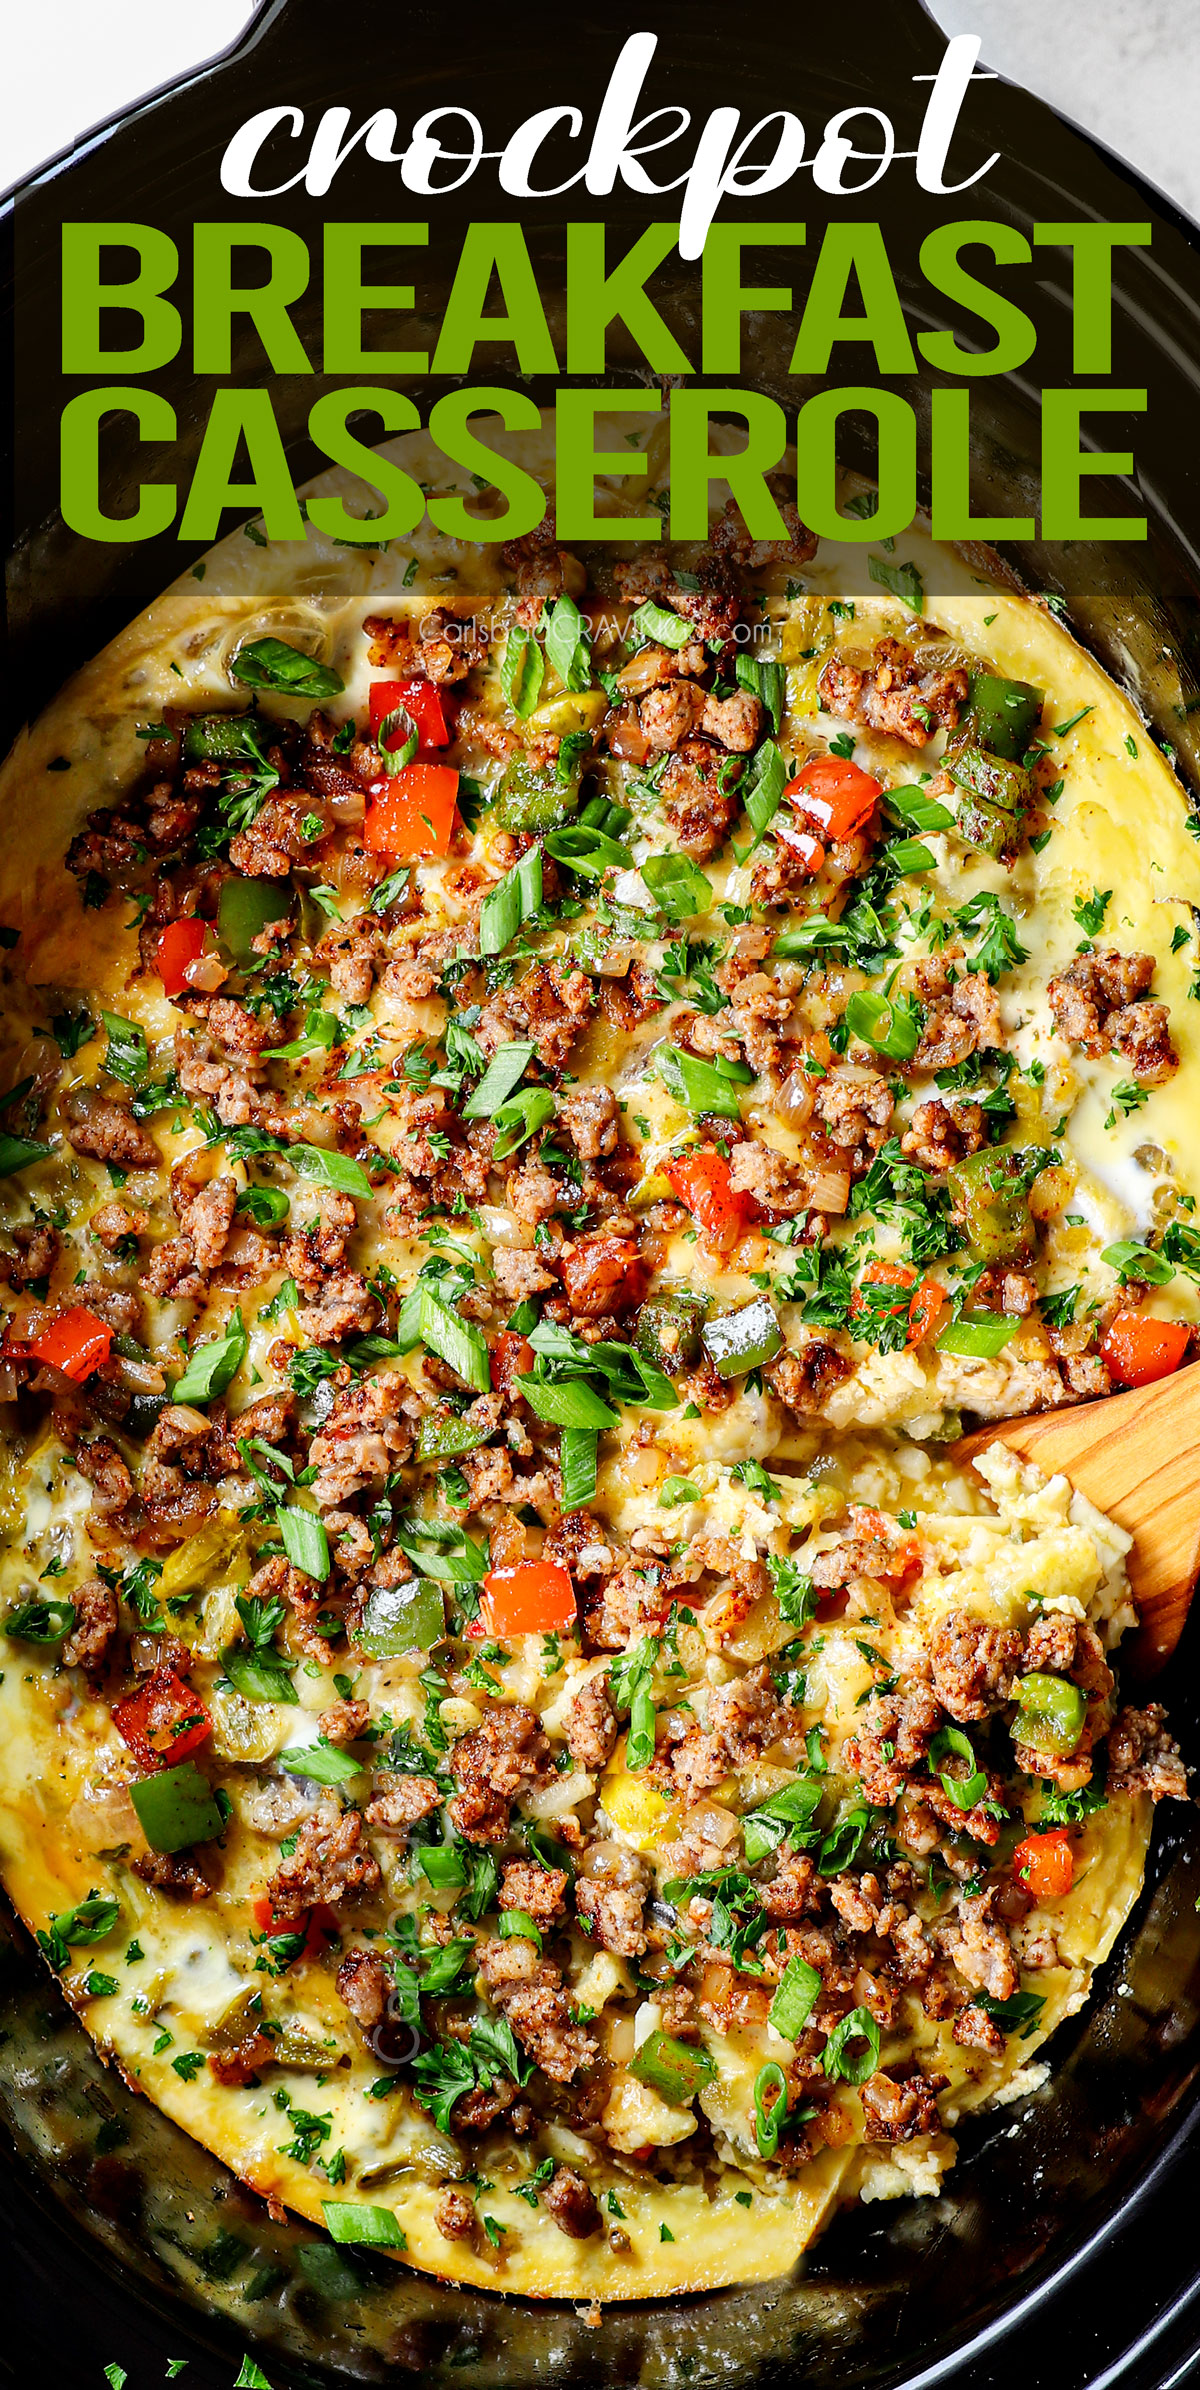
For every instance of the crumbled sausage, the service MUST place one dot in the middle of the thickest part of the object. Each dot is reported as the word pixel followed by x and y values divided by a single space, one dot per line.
pixel 974 1665
pixel 490 1766
pixel 896 694
pixel 108 1133
pixel 1143 1757
pixel 454 2214
pixel 528 1990
pixel 364 1986
pixel 610 1897
pixel 91 1638
pixel 1095 1003
pixel 539 1891
pixel 328 1865
pixel 940 1134
pixel 897 2108
pixel 700 797
pixel 401 1802
pixel 571 2204
pixel 592 1725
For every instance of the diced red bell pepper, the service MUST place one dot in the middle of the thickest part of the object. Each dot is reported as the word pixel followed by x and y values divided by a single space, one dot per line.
pixel 603 1274
pixel 533 1598
pixel 319 1926
pixel 413 812
pixel 1137 1350
pixel 420 698
pixel 1045 1864
pixel 898 1553
pixel 511 1356
pixel 702 1182
pixel 836 793
pixel 180 943
pixel 927 1299
pixel 164 1721
pixel 76 1342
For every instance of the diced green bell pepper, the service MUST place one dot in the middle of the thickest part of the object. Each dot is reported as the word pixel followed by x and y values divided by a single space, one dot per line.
pixel 177 1807
pixel 668 1332
pixel 400 1618
pixel 987 1190
pixel 1052 1713
pixel 1003 715
pixel 738 1341
pixel 992 777
pixel 531 800
pixel 443 1438
pixel 220 738
pixel 244 908
pixel 987 827
pixel 676 2070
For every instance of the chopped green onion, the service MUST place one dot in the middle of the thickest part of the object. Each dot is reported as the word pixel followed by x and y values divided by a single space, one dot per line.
pixel 304 1540
pixel 510 903
pixel 978 1336
pixel 916 810
pixel 639 1742
pixel 676 2070
pixel 678 885
pixel 271 664
pixel 771 2080
pixel 657 626
pixel 837 2057
pixel 567 644
pixel 793 1805
pixel 889 1026
pixel 321 1762
pixel 567 1403
pixel 268 1207
pixel 260 1676
pixel 126 1057
pixel 763 789
pixel 213 1366
pixel 587 852
pixel 702 1086
pixel 908 854
pixel 964 1791
pixel 393 759
pixel 766 681
pixel 518 1924
pixel 339 1171
pixel 522 671
pixel 357 2226
pixel 1138 1261
pixel 457 1342
pixel 177 1807
pixel 504 1072
pixel 795 1998
pixel 520 1118
pixel 577 1466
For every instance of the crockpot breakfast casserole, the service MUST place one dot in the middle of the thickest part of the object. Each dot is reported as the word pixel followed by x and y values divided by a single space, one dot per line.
pixel 536 1110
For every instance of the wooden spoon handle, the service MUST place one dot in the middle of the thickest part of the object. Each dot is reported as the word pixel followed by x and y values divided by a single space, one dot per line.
pixel 1137 1457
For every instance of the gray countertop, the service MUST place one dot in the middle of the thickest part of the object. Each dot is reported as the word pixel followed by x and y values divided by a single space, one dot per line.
pixel 1127 71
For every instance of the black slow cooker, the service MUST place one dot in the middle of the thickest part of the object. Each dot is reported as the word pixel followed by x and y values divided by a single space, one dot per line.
pixel 1062 2249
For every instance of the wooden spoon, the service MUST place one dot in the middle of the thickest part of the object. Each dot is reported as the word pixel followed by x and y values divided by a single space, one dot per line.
pixel 1137 1457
